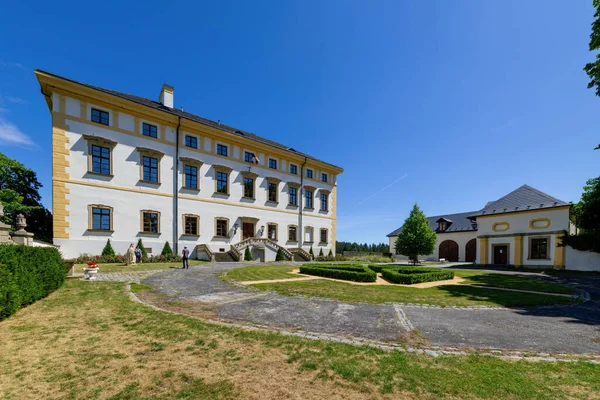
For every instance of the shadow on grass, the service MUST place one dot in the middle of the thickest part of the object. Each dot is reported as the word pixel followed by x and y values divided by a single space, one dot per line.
pixel 528 304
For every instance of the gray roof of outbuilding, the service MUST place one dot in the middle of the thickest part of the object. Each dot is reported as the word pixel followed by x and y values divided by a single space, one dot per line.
pixel 159 106
pixel 524 198
pixel 460 223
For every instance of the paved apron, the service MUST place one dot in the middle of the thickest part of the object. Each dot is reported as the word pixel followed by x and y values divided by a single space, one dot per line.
pixel 572 329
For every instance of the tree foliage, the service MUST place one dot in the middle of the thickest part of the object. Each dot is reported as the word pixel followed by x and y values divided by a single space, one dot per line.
pixel 586 217
pixel 19 193
pixel 416 237
pixel 166 251
pixel 280 256
pixel 593 68
pixel 248 255
pixel 142 248
pixel 340 247
pixel 108 250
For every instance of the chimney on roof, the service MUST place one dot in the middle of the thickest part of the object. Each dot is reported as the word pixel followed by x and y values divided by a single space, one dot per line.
pixel 167 94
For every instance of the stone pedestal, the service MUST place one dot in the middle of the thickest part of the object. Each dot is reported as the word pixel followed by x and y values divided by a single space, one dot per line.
pixel 4 228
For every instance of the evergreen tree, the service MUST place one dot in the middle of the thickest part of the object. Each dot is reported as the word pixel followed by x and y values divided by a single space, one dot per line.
pixel 108 251
pixel 321 252
pixel 280 256
pixel 416 237
pixel 312 254
pixel 248 255
pixel 330 253
pixel 167 251
pixel 141 246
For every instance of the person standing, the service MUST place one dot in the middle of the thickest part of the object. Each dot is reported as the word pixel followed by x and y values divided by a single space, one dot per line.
pixel 185 255
pixel 138 254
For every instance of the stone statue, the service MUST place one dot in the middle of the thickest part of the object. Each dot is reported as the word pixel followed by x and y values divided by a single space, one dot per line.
pixel 130 257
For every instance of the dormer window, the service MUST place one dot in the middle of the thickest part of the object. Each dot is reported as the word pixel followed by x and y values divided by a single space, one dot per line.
pixel 443 224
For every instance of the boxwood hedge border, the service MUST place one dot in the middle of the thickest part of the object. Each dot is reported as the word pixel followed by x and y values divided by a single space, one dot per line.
pixel 352 272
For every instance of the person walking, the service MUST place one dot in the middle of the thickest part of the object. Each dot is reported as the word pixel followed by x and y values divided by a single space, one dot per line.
pixel 185 255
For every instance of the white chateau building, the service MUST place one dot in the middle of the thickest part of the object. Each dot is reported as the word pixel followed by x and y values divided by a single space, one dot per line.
pixel 522 228
pixel 125 167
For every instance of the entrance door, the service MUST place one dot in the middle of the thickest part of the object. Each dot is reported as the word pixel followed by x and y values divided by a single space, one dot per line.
pixel 247 230
pixel 501 254
pixel 448 250
pixel 471 250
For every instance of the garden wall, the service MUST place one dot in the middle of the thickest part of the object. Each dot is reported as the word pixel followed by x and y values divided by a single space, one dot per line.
pixel 578 260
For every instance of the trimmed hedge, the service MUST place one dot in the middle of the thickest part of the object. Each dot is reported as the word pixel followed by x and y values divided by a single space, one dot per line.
pixel 28 274
pixel 379 268
pixel 355 273
pixel 412 275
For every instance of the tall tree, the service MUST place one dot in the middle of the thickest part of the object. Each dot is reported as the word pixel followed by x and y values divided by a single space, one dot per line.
pixel 593 68
pixel 416 238
pixel 19 193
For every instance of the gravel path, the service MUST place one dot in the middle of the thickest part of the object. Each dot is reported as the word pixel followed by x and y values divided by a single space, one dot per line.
pixel 571 329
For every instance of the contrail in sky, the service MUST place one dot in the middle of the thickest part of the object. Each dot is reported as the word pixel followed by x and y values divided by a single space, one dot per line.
pixel 381 190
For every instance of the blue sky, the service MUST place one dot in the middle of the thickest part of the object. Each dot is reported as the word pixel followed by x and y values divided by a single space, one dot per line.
pixel 448 104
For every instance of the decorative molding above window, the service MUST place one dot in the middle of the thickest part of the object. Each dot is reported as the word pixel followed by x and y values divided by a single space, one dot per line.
pixel 248 174
pixel 191 161
pixel 222 168
pixel 294 185
pixel 100 141
pixel 150 152
pixel 272 179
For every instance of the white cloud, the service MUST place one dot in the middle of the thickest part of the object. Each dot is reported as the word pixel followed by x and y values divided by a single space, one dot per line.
pixel 17 100
pixel 11 135
pixel 12 65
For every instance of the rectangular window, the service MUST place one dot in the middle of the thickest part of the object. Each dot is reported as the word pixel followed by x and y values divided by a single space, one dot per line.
pixel 324 177
pixel 191 141
pixel 323 235
pixel 272 231
pixel 100 160
pixel 272 163
pixel 249 188
pixel 222 182
pixel 273 192
pixel 539 249
pixel 150 223
pixel 191 225
pixel 323 202
pixel 191 177
pixel 222 150
pixel 150 169
pixel 293 196
pixel 149 130
pixel 309 173
pixel 309 198
pixel 101 219
pixel 249 157
pixel 292 234
pixel 293 169
pixel 222 228
pixel 100 116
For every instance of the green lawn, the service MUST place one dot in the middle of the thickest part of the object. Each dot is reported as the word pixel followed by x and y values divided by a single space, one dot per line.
pixel 512 282
pixel 89 340
pixel 259 273
pixel 447 295
pixel 115 267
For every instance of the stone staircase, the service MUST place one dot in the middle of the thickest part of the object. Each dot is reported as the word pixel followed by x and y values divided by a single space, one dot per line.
pixel 299 254
pixel 260 242
pixel 224 257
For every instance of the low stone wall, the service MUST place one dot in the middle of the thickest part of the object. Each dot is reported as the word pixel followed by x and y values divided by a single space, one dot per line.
pixel 577 260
